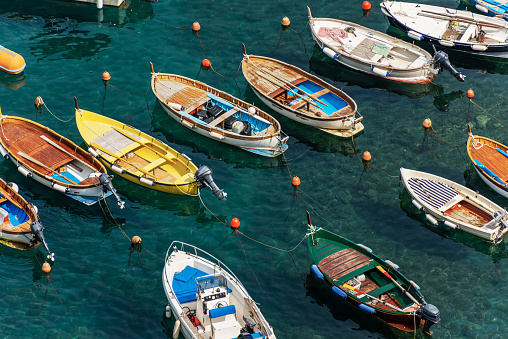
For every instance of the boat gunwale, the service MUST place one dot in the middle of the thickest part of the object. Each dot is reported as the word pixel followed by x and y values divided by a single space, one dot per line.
pixel 341 94
pixel 61 139
pixel 222 95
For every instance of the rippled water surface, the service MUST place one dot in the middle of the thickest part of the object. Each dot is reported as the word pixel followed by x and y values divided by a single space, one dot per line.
pixel 98 290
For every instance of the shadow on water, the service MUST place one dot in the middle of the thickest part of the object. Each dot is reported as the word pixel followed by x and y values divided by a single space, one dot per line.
pixel 323 66
pixel 342 311
pixel 178 134
pixel 317 140
pixel 497 252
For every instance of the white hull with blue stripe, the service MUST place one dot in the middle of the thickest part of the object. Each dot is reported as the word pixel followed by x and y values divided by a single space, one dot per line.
pixel 207 299
pixel 456 206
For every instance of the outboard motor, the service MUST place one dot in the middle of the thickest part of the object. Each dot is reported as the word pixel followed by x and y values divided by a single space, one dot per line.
pixel 431 315
pixel 37 229
pixel 441 58
pixel 204 177
pixel 105 181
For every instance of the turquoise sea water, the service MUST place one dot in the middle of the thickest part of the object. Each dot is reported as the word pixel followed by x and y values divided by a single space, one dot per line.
pixel 98 290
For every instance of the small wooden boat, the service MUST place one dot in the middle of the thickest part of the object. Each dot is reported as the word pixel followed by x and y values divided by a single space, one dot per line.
pixel 363 279
pixel 492 8
pixel 54 161
pixel 207 299
pixel 140 158
pixel 372 52
pixel 11 62
pixel 218 115
pixel 490 160
pixel 300 96
pixel 20 226
pixel 458 30
pixel 458 207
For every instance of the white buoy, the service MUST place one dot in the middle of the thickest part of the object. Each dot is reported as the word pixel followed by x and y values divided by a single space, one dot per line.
pixel 24 171
pixel 60 188
pixel 415 35
pixel 93 152
pixel 446 43
pixel 330 53
pixel 4 152
pixel 176 330
pixel 449 224
pixel 431 219
pixel 168 311
pixel 380 72
pixel 147 182
pixel 14 186
pixel 479 47
pixel 117 169
pixel 417 204
pixel 100 4
pixel 175 106
pixel 252 110
pixel 482 8
pixel 36 210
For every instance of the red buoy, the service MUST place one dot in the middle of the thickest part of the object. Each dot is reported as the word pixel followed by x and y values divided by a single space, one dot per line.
pixel 366 6
pixel 235 223
pixel 105 78
pixel 196 27
pixel 206 63
pixel 46 268
pixel 470 94
pixel 295 182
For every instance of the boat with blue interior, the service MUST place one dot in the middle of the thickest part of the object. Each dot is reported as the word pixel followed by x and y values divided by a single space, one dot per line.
pixel 206 298
pixel 218 115
pixel 301 96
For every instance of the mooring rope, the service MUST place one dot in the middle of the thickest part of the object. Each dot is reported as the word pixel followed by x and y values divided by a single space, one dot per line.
pixel 73 116
pixel 118 89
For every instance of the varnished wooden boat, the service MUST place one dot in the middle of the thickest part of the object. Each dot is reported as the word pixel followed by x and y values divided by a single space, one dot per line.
pixel 218 115
pixel 207 299
pixel 455 29
pixel 369 282
pixel 301 96
pixel 490 160
pixel 492 8
pixel 53 160
pixel 20 226
pixel 140 158
pixel 456 206
pixel 372 52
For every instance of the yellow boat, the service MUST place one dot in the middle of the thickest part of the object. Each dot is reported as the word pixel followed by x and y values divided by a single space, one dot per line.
pixel 140 158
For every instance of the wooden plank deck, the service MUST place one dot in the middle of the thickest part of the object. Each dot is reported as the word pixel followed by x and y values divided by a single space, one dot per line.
pixel 491 158
pixel 342 262
pixel 263 85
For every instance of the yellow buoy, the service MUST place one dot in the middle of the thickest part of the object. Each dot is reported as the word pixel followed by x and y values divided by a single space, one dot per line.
pixel 11 62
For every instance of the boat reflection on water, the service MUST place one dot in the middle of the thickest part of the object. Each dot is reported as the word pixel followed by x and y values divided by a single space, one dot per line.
pixel 12 81
pixel 214 150
pixel 475 243
pixel 317 140
pixel 31 259
pixel 322 65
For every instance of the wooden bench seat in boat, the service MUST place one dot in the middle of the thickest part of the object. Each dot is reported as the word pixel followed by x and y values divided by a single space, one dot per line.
pixel 468 33
pixel 281 90
pixel 377 292
pixel 154 164
pixel 342 262
pixel 223 117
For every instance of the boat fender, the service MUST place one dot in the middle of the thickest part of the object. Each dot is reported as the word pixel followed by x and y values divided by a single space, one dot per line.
pixel 25 171
pixel 482 9
pixel 176 330
pixel 365 247
pixel 317 272
pixel 446 43
pixel 186 156
pixel 168 311
pixel 367 309
pixel 93 152
pixel 36 210
pixel 431 219
pixel 414 35
pixel 117 169
pixel 392 264
pixel 451 225
pixel 414 284
pixel 60 188
pixel 417 204
pixel 14 186
pixel 330 53
pixel 340 293
pixel 175 106
pixel 147 182
pixel 4 152
pixel 480 48
pixel 380 72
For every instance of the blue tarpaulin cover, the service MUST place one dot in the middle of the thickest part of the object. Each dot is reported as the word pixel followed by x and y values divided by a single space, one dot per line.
pixel 184 284
pixel 219 312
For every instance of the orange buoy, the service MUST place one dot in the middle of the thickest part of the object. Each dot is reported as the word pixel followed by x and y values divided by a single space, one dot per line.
pixel 38 102
pixel 366 156
pixel 206 63
pixel 470 94
pixel 295 182
pixel 106 77
pixel 135 240
pixel 366 6
pixel 11 62
pixel 235 223
pixel 46 268
pixel 285 21
pixel 196 27
pixel 427 124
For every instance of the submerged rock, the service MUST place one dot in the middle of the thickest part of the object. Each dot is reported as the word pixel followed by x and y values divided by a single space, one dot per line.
pixel 482 121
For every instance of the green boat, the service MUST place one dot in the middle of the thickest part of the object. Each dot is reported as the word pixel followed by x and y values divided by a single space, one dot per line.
pixel 363 279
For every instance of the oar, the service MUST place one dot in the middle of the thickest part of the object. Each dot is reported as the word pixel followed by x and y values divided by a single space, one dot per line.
pixel 54 144
pixel 278 83
pixel 37 162
pixel 102 149
pixel 373 298
pixel 445 17
pixel 290 84
pixel 398 285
